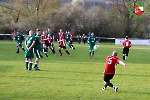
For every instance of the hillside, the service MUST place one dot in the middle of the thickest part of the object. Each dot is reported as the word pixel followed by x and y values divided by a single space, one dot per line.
pixel 90 3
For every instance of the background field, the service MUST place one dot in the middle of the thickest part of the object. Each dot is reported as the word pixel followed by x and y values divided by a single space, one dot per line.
pixel 73 78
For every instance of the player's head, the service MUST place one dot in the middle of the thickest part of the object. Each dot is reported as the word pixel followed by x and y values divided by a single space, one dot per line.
pixel 60 30
pixel 18 32
pixel 38 32
pixel 48 29
pixel 126 37
pixel 43 33
pixel 92 34
pixel 114 53
pixel 37 29
pixel 30 33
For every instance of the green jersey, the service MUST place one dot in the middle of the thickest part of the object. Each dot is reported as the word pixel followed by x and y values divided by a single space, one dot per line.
pixel 29 40
pixel 37 43
pixel 50 33
pixel 68 37
pixel 19 38
pixel 92 41
pixel 34 34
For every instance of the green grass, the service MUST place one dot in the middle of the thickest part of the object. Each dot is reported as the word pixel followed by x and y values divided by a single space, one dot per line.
pixel 73 78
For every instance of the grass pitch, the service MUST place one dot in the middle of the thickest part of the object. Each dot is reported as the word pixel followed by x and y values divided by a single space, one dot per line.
pixel 73 78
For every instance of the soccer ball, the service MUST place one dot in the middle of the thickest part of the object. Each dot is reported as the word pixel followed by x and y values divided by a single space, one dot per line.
pixel 96 47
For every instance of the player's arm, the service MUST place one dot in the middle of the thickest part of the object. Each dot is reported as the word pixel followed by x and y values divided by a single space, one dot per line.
pixel 61 40
pixel 88 40
pixel 123 44
pixel 130 44
pixel 122 63
pixel 41 42
pixel 26 44
pixel 33 43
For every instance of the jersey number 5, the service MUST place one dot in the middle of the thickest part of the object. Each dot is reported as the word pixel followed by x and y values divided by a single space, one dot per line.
pixel 109 60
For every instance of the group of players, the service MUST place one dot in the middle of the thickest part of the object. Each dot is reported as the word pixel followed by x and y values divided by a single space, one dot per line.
pixel 39 42
pixel 35 41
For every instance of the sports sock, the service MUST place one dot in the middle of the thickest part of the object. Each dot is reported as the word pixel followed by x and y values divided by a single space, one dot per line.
pixel 89 53
pixel 60 52
pixel 30 66
pixel 18 50
pixel 105 86
pixel 67 52
pixel 123 57
pixel 92 53
pixel 36 65
pixel 26 65
pixel 23 49
pixel 53 51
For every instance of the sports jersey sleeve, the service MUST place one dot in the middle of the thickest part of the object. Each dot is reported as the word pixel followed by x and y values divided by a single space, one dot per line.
pixel 118 60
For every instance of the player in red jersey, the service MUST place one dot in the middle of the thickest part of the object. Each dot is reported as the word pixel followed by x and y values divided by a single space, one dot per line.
pixel 126 47
pixel 62 44
pixel 51 44
pixel 109 72
pixel 48 42
pixel 44 37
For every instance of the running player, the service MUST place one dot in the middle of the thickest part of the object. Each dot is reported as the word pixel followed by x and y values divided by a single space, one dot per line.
pixel 62 44
pixel 19 38
pixel 126 47
pixel 69 40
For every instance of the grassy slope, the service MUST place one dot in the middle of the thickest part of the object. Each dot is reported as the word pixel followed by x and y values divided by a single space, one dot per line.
pixel 73 78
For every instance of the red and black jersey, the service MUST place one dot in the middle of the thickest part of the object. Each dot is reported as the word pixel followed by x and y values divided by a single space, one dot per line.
pixel 72 37
pixel 62 40
pixel 45 38
pixel 50 39
pixel 126 44
pixel 111 62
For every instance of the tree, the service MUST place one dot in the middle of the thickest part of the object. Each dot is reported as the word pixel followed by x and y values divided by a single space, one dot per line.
pixel 129 25
pixel 77 2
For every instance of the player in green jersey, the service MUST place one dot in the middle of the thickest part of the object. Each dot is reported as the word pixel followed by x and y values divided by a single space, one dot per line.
pixel 19 38
pixel 37 48
pixel 69 40
pixel 29 43
pixel 91 41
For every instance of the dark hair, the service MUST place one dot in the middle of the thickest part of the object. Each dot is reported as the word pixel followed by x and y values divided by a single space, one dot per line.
pixel 38 30
pixel 126 37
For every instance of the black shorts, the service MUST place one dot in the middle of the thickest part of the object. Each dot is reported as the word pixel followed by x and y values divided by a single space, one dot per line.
pixel 108 77
pixel 125 51
pixel 48 45
pixel 64 47
pixel 37 53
